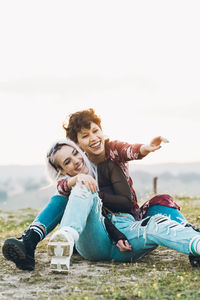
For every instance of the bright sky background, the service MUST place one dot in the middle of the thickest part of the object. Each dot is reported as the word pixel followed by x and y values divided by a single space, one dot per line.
pixel 136 62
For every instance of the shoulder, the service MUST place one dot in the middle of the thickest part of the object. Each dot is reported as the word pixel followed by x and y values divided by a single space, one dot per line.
pixel 113 149
pixel 116 146
pixel 112 144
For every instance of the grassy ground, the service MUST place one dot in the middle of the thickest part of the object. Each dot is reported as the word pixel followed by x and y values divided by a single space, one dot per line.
pixel 164 274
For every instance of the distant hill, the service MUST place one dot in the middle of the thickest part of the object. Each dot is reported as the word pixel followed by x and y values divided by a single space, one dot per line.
pixel 182 179
pixel 15 171
pixel 173 168
pixel 25 186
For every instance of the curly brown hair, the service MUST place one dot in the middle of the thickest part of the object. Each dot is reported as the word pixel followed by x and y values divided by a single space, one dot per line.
pixel 78 120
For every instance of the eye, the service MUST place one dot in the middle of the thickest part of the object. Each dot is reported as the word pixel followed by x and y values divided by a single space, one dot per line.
pixel 75 152
pixel 84 136
pixel 67 162
pixel 95 130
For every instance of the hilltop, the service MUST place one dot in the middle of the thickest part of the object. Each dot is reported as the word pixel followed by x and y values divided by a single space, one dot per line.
pixel 27 186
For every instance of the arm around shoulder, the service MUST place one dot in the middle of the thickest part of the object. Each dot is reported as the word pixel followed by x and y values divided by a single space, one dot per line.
pixel 65 185
pixel 122 151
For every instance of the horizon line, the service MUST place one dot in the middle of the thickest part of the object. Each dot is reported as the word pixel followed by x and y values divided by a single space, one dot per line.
pixel 43 164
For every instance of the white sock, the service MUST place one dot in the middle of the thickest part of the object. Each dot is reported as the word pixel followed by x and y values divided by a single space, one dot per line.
pixel 38 230
pixel 72 231
pixel 195 246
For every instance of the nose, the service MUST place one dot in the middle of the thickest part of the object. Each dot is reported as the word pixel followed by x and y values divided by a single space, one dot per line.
pixel 76 160
pixel 92 137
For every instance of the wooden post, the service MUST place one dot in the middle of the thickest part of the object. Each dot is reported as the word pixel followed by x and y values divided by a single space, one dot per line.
pixel 155 185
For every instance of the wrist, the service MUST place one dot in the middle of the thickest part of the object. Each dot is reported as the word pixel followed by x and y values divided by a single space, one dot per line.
pixel 144 150
pixel 72 181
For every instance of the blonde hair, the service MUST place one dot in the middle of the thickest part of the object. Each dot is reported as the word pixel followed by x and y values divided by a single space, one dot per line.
pixel 53 171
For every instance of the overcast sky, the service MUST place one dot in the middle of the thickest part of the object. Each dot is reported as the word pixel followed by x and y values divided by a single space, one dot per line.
pixel 136 62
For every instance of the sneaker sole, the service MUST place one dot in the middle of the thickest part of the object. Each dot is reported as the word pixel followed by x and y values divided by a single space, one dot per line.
pixel 59 264
pixel 59 251
pixel 12 251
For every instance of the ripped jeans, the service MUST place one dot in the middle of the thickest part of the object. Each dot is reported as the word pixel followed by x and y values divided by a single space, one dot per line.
pixel 83 213
pixel 51 215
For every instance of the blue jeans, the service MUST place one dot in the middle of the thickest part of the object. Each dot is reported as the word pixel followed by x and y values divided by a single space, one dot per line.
pixel 171 212
pixel 52 213
pixel 83 213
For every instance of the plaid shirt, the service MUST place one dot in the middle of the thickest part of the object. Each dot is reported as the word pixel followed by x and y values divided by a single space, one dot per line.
pixel 121 153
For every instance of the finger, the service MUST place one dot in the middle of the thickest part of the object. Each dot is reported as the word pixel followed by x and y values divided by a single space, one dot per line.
pixel 94 188
pixel 122 246
pixel 86 185
pixel 156 141
pixel 120 243
pixel 119 246
pixel 127 244
pixel 153 147
pixel 164 140
pixel 124 249
pixel 159 140
pixel 156 148
pixel 91 186
pixel 89 183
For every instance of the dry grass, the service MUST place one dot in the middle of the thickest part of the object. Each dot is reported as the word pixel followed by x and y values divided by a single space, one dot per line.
pixel 164 274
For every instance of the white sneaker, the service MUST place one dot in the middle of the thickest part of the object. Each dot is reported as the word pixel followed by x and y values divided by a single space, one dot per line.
pixel 60 249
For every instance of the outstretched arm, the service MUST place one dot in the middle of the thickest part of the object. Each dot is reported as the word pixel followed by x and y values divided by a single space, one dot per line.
pixel 153 146
pixel 124 152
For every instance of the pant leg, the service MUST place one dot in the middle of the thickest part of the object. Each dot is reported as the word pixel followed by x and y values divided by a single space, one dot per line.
pixel 83 213
pixel 131 228
pixel 171 212
pixel 52 213
pixel 150 232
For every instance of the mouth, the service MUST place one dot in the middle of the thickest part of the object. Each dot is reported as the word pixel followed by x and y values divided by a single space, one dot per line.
pixel 79 167
pixel 96 146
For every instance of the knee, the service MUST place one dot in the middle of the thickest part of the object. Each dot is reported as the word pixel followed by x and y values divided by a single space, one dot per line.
pixel 160 218
pixel 157 221
pixel 80 191
pixel 59 198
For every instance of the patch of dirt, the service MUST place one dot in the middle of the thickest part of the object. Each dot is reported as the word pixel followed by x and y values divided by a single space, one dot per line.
pixel 85 277
pixel 42 282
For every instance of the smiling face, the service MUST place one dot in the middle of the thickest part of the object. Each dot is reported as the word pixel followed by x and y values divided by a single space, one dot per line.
pixel 70 161
pixel 91 141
